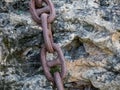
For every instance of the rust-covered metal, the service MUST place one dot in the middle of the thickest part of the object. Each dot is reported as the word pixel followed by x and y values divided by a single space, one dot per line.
pixel 43 13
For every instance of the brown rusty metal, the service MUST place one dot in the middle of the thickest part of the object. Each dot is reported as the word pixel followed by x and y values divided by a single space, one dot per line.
pixel 44 15
pixel 50 33
pixel 46 33
pixel 44 65
pixel 58 81
pixel 53 63
pixel 60 60
pixel 38 3
pixel 42 10
pixel 52 11
pixel 35 12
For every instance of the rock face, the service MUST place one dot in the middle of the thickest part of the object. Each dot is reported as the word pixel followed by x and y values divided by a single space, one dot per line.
pixel 88 32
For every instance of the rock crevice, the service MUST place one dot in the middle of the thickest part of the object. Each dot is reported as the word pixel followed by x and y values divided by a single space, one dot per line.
pixel 88 32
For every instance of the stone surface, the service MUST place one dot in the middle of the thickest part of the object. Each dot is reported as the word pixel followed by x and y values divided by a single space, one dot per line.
pixel 88 32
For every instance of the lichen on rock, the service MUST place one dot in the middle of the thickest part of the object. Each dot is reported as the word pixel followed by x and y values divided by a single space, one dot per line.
pixel 88 32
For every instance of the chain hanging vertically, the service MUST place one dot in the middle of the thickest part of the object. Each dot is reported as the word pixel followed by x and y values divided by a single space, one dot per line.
pixel 43 13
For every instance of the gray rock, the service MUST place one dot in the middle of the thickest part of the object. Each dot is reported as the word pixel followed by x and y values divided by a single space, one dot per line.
pixel 37 82
pixel 87 30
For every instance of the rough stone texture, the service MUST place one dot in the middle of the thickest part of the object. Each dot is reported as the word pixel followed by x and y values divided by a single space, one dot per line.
pixel 88 32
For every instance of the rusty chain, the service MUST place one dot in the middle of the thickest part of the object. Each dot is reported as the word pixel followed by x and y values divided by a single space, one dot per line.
pixel 43 13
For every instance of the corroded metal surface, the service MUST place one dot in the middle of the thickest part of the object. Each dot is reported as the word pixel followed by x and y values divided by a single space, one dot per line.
pixel 44 15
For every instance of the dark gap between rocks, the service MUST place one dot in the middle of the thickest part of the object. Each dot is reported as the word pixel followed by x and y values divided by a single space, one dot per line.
pixel 75 50
pixel 80 85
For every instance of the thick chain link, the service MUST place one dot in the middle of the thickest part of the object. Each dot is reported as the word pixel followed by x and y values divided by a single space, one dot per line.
pixel 36 12
pixel 43 13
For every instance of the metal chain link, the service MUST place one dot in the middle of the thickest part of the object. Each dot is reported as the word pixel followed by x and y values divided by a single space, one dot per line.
pixel 43 13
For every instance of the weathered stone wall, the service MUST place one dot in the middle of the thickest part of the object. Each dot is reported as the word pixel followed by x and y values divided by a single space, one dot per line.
pixel 87 30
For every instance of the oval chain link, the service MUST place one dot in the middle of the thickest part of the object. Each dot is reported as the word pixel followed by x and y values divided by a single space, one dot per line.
pixel 60 60
pixel 46 33
pixel 44 15
pixel 35 12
